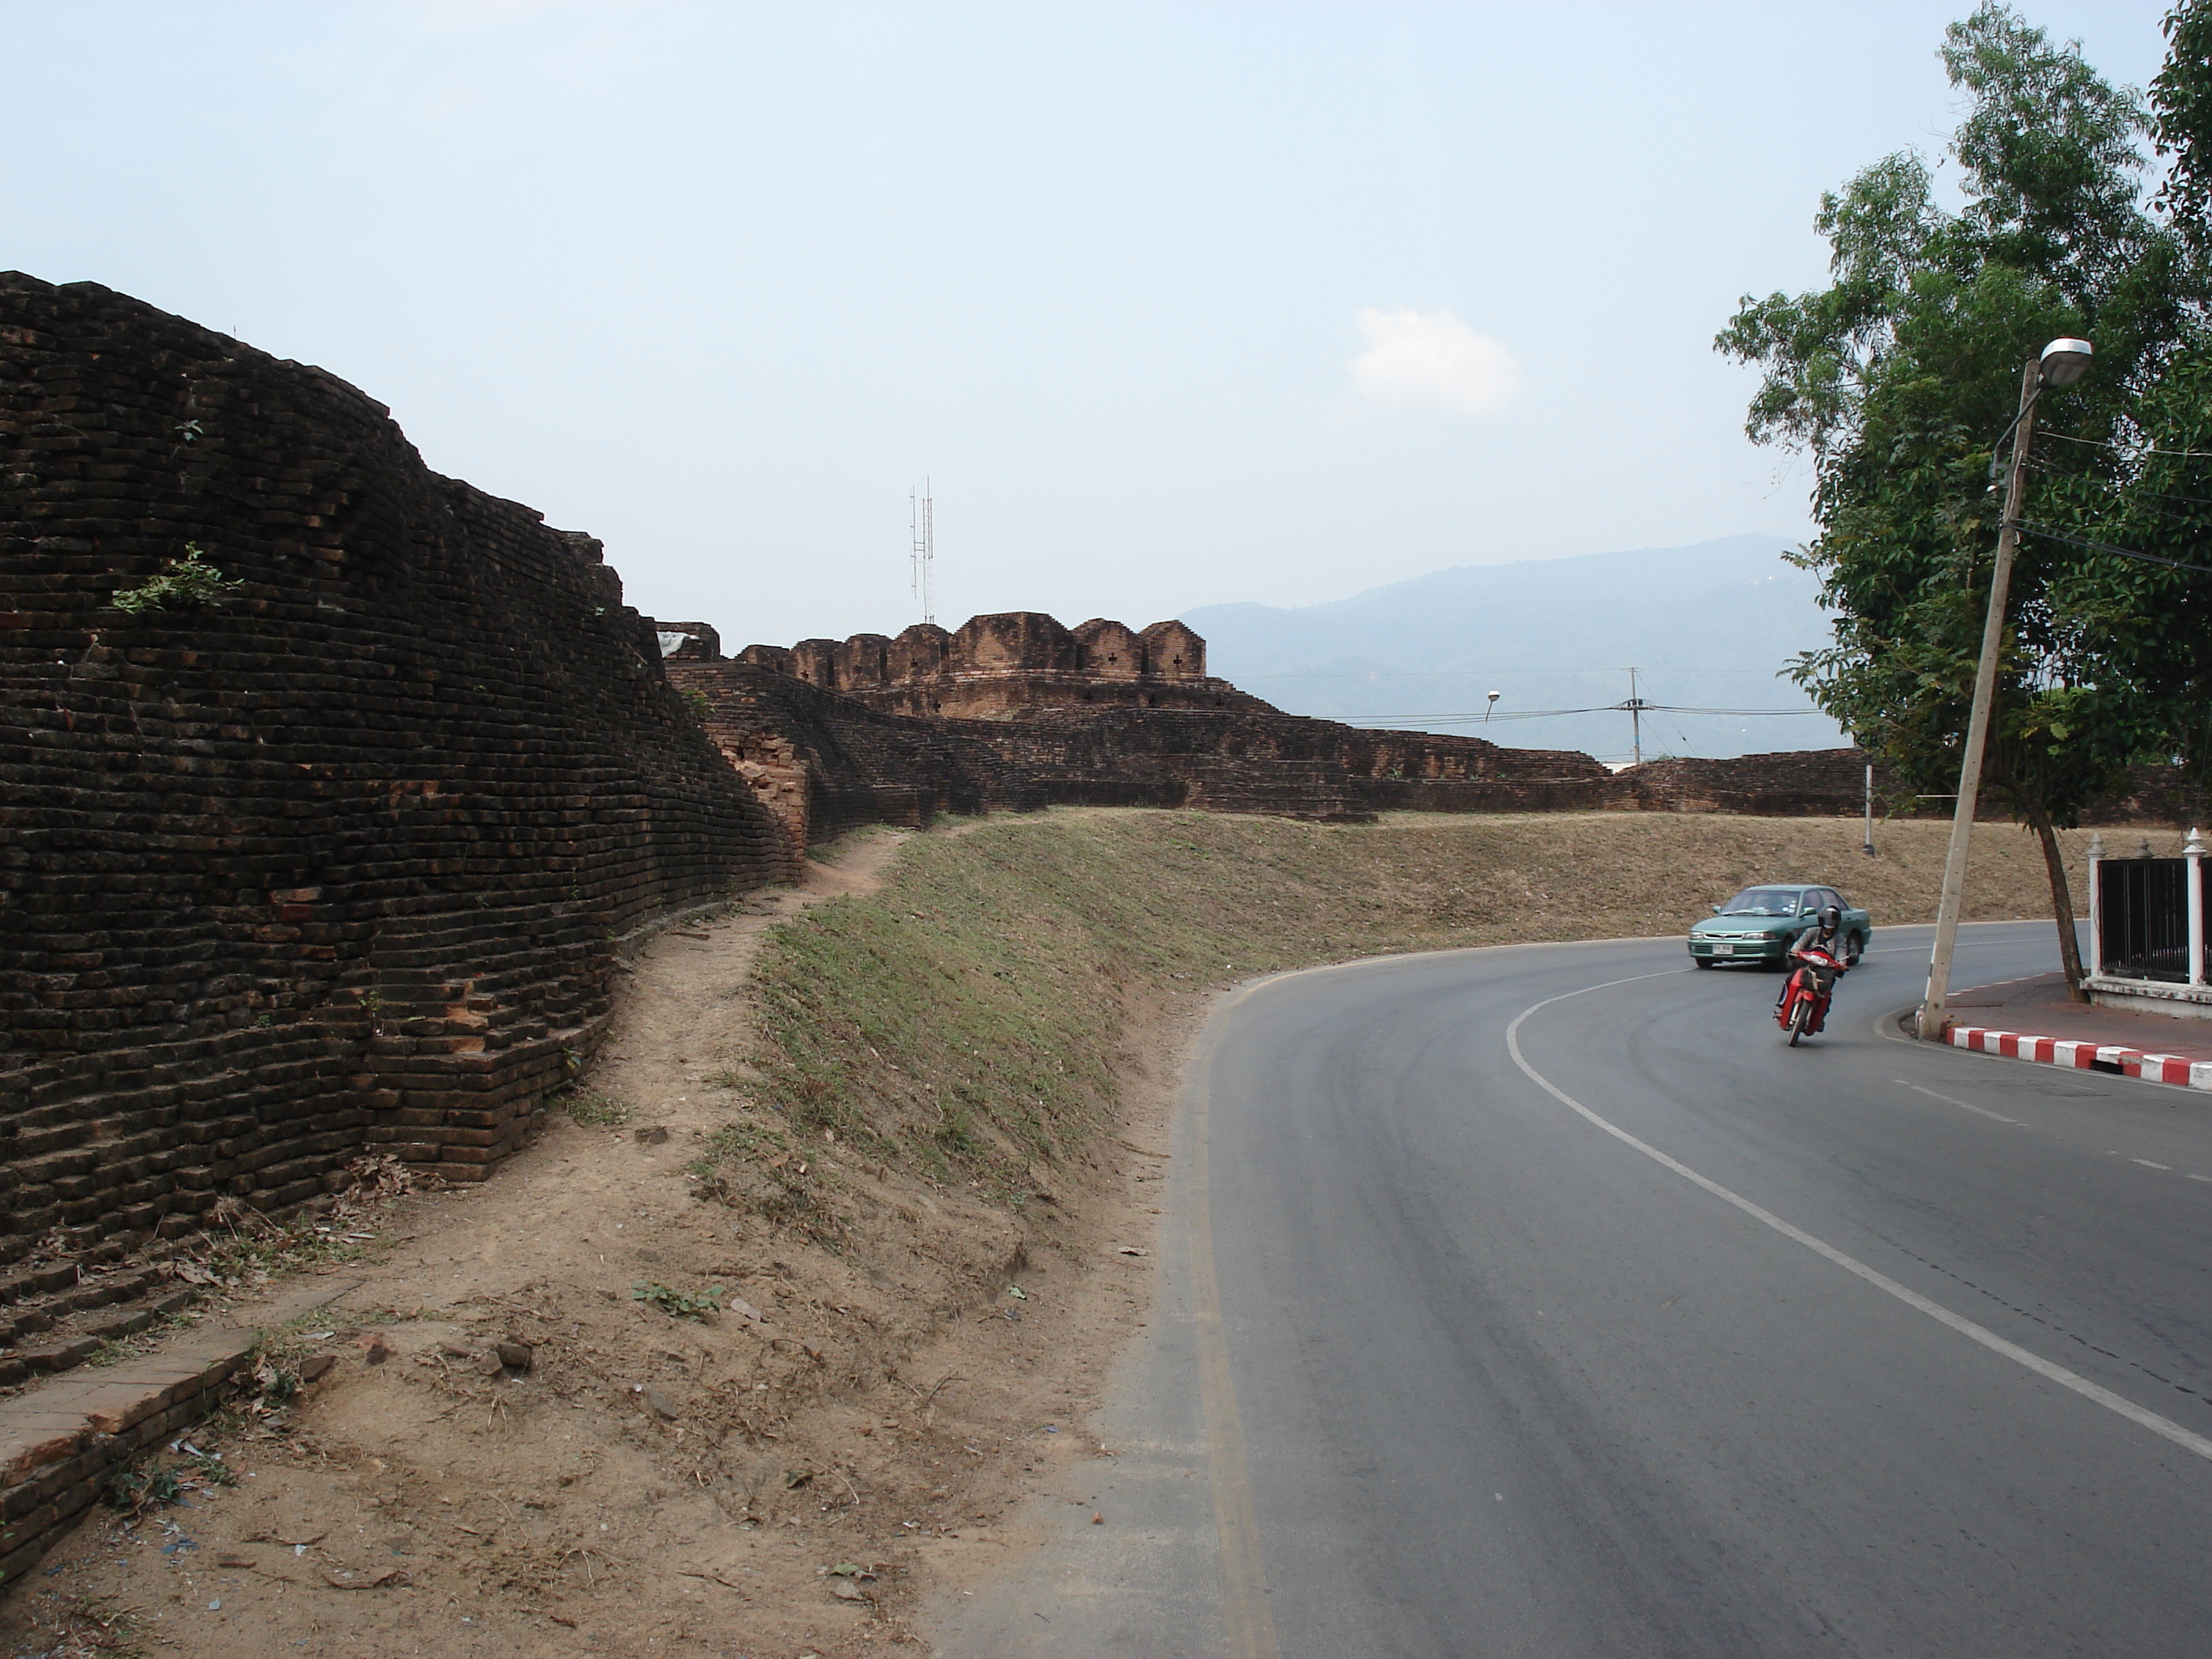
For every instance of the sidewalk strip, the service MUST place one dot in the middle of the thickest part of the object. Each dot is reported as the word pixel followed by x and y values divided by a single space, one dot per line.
pixel 2176 1069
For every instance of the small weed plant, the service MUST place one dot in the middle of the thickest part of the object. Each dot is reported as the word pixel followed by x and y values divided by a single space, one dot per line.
pixel 187 584
pixel 593 1109
pixel 742 1139
pixel 679 1305
pixel 141 1488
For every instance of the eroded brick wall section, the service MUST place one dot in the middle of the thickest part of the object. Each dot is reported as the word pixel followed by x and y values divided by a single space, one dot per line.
pixel 341 860
pixel 1809 782
pixel 824 764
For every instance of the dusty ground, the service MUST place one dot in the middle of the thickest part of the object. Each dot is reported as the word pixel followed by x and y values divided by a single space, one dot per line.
pixel 651 1485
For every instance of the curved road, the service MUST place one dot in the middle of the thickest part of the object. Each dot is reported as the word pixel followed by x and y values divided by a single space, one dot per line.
pixel 1540 1301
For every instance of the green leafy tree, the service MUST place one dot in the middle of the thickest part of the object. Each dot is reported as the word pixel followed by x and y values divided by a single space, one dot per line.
pixel 2181 97
pixel 1900 379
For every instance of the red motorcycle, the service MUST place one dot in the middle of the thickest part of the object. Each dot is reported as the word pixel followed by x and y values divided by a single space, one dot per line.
pixel 1804 1006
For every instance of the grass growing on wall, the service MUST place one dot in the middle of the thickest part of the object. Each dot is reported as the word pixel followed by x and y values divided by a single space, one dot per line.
pixel 967 1017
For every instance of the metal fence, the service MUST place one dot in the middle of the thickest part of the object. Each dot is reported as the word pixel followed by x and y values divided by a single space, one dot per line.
pixel 2142 907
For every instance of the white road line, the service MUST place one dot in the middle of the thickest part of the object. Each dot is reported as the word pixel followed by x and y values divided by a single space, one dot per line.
pixel 2081 1385
pixel 1965 1105
pixel 2148 1165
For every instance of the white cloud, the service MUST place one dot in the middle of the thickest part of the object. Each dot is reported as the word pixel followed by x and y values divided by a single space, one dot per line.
pixel 1431 360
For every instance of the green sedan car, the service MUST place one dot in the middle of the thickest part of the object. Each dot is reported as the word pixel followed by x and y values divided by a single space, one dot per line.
pixel 1759 924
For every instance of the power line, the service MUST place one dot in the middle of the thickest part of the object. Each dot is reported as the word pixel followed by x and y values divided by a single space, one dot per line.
pixel 1472 673
pixel 2050 534
pixel 2129 449
pixel 1554 713
pixel 2128 492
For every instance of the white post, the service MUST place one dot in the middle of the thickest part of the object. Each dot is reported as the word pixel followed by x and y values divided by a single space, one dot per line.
pixel 2096 909
pixel 1869 849
pixel 2193 850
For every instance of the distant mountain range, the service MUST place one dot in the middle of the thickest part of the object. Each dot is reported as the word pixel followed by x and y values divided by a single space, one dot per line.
pixel 1709 626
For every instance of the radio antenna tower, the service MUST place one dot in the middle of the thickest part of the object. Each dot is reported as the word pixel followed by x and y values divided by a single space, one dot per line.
pixel 924 532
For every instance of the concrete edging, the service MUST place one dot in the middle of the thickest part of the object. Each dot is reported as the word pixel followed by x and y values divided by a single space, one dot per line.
pixel 2082 1056
pixel 59 1441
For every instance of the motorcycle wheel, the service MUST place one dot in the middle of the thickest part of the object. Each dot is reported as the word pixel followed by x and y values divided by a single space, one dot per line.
pixel 1799 1017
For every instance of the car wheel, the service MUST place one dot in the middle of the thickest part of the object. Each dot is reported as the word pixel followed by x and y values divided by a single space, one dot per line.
pixel 1702 962
pixel 1853 951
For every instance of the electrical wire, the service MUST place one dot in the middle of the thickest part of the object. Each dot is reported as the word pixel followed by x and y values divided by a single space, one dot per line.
pixel 1489 719
pixel 2132 493
pixel 2131 449
pixel 1470 673
pixel 1552 713
pixel 2050 534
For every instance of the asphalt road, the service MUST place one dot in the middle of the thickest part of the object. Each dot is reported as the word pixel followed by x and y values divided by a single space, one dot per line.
pixel 1542 1301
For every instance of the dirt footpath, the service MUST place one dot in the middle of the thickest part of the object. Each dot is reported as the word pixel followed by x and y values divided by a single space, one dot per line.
pixel 536 1437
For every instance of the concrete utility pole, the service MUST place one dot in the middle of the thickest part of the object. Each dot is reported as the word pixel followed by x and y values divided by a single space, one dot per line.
pixel 1635 706
pixel 2062 362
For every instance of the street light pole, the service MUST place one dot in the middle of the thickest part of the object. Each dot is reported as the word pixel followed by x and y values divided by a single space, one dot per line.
pixel 2062 362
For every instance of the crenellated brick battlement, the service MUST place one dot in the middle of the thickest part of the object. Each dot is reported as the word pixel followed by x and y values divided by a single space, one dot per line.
pixel 1010 666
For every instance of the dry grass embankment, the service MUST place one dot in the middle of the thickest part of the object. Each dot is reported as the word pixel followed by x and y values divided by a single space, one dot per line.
pixel 966 1018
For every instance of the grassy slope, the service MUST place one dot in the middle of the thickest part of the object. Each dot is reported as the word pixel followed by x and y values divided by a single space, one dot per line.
pixel 966 1017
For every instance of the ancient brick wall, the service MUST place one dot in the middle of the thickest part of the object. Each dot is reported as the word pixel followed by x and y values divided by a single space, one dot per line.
pixel 1260 760
pixel 341 859
pixel 1811 782
pixel 1817 782
pixel 826 761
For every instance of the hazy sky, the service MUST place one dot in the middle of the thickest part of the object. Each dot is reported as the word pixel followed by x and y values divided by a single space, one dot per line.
pixel 1177 304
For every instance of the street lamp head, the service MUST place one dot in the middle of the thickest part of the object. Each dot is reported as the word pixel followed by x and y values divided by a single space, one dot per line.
pixel 2065 362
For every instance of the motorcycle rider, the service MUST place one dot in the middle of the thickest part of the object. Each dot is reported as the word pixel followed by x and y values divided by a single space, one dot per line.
pixel 1823 935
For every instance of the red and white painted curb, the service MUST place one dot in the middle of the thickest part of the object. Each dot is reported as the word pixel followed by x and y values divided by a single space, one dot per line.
pixel 2083 1056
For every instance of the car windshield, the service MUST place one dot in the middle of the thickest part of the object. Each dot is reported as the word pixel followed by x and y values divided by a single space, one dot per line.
pixel 1763 901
